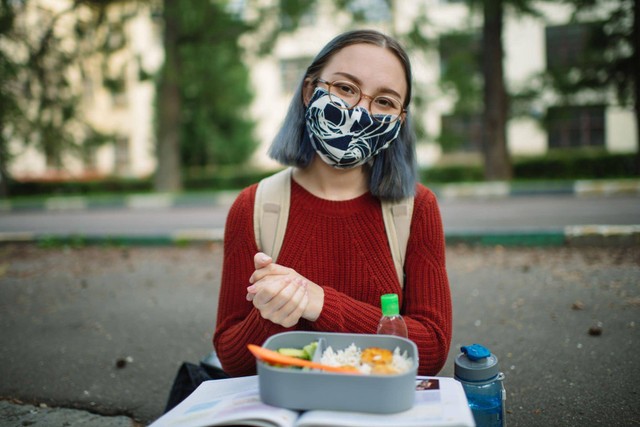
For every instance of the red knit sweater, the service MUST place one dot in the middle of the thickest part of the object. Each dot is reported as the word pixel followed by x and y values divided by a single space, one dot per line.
pixel 342 246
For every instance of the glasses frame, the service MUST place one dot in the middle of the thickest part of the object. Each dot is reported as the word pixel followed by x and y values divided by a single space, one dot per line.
pixel 362 95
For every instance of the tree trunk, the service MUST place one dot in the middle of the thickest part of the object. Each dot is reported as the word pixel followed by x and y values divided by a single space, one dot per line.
pixel 4 176
pixel 168 177
pixel 497 165
pixel 636 76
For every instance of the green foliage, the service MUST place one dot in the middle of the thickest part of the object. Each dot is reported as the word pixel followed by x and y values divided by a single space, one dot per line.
pixel 214 87
pixel 572 164
pixel 556 165
pixel 228 178
pixel 452 173
pixel 68 188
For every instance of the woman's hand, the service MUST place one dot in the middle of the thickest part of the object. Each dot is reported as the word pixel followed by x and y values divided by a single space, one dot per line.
pixel 281 294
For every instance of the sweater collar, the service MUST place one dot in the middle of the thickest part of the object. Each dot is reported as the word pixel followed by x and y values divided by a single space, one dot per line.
pixel 331 207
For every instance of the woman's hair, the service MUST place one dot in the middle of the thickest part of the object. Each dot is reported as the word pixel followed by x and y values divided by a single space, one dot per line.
pixel 393 172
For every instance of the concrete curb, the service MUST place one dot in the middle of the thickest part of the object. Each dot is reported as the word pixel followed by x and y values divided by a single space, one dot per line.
pixel 447 191
pixel 621 235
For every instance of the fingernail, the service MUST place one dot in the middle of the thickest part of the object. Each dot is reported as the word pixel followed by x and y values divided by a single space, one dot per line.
pixel 251 288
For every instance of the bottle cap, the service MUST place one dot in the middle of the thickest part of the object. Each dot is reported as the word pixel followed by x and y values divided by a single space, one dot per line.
pixel 389 303
pixel 475 363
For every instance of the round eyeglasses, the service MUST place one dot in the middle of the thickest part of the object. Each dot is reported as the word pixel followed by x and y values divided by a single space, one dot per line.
pixel 347 95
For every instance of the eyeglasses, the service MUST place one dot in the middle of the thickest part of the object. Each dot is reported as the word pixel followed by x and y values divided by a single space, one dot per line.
pixel 347 95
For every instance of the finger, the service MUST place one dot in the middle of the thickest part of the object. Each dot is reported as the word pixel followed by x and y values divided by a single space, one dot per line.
pixel 261 260
pixel 269 269
pixel 281 304
pixel 289 313
pixel 301 299
pixel 268 293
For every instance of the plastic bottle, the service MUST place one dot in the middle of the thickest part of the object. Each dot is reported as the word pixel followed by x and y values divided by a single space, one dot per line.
pixel 391 322
pixel 477 369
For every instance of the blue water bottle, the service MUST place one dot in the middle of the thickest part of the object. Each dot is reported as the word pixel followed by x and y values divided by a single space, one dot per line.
pixel 477 369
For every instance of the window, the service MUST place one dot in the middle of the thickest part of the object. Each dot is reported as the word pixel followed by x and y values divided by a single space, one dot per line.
pixel 576 126
pixel 291 72
pixel 370 10
pixel 89 157
pixel 566 45
pixel 461 132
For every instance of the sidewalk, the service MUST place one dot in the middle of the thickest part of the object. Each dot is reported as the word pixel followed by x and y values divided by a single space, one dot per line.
pixel 443 191
pixel 573 235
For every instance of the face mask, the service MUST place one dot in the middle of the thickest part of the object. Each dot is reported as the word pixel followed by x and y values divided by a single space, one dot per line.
pixel 346 138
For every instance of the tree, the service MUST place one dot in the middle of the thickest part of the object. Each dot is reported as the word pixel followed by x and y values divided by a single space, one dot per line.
pixel 167 176
pixel 497 164
pixel 486 53
pixel 214 80
pixel 42 69
pixel 203 92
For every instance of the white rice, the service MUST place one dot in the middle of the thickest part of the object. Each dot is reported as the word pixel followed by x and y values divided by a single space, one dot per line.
pixel 350 356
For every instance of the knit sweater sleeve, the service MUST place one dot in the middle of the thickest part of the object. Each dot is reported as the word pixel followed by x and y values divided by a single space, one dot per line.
pixel 238 322
pixel 427 297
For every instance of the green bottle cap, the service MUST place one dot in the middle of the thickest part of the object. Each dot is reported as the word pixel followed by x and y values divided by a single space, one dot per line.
pixel 390 305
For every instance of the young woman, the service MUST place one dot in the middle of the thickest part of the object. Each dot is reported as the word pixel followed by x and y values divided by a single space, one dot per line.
pixel 348 137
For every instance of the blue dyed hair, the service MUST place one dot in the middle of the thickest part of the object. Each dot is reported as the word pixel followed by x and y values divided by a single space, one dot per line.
pixel 393 172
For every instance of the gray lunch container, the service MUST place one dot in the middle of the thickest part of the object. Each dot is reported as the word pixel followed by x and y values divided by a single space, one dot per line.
pixel 312 389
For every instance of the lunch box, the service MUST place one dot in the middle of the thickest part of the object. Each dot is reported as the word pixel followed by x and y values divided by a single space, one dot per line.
pixel 299 389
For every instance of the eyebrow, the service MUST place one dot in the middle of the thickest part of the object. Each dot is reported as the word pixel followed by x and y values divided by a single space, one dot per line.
pixel 359 82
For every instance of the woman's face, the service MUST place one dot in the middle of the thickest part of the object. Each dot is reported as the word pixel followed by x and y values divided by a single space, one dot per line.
pixel 376 70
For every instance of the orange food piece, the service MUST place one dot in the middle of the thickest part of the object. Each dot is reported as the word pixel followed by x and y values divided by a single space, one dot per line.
pixel 375 356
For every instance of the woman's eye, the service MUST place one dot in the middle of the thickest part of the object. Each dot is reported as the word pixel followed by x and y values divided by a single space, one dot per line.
pixel 385 102
pixel 346 89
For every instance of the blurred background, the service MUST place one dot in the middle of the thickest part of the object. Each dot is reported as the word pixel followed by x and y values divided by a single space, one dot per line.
pixel 184 95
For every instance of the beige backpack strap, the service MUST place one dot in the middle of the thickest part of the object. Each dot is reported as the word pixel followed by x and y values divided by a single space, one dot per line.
pixel 271 212
pixel 397 223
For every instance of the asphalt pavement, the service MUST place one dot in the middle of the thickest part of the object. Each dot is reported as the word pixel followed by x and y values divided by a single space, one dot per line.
pixel 102 330
pixel 94 334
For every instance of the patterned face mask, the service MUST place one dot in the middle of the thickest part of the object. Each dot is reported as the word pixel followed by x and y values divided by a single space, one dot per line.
pixel 346 138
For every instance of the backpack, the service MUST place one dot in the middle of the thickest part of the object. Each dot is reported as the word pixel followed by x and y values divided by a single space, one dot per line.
pixel 271 213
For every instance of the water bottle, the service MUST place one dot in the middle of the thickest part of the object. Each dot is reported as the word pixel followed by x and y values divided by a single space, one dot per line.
pixel 391 322
pixel 477 369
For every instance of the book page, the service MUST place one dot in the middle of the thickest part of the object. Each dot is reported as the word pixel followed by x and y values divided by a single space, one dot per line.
pixel 439 402
pixel 226 402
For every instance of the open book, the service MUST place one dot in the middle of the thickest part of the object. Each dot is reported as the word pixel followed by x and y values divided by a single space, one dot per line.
pixel 439 401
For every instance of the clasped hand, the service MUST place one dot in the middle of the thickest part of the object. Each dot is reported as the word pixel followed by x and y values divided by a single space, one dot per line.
pixel 281 294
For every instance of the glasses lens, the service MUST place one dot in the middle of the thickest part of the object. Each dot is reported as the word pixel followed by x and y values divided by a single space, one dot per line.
pixel 346 92
pixel 386 105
